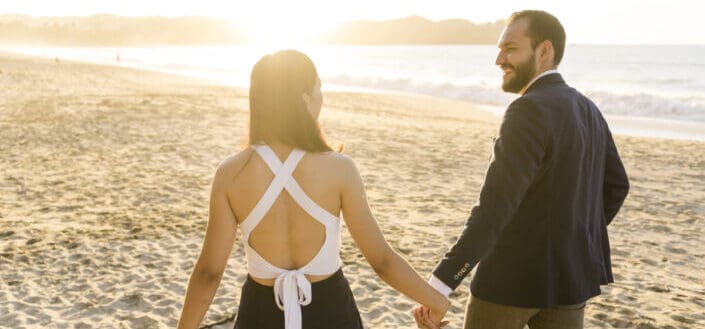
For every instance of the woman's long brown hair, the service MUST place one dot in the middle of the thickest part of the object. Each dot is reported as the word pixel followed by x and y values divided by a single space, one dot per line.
pixel 278 112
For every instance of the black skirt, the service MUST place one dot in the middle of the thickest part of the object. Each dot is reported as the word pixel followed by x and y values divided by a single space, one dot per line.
pixel 332 306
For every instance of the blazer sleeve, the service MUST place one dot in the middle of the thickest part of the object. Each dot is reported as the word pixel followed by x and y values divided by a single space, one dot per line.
pixel 616 183
pixel 517 156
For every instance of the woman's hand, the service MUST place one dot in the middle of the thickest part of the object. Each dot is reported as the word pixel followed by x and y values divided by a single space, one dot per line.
pixel 426 318
pixel 438 313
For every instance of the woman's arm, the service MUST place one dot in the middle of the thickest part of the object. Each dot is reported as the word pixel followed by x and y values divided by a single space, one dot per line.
pixel 386 262
pixel 217 245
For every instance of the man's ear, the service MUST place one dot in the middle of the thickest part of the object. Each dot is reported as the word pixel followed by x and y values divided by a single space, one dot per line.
pixel 306 98
pixel 547 50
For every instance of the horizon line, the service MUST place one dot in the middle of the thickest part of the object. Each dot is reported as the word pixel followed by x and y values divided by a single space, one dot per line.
pixel 232 18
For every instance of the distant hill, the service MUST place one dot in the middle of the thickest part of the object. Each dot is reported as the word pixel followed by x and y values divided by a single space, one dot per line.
pixel 415 30
pixel 111 30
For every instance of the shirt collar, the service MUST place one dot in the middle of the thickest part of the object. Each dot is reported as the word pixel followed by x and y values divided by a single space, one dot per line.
pixel 545 73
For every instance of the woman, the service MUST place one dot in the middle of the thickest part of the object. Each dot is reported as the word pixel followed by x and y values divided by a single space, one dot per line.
pixel 292 239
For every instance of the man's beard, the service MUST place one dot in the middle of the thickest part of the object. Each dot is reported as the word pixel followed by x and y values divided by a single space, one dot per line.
pixel 522 75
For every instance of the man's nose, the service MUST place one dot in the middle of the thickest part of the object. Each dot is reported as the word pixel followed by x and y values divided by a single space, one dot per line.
pixel 500 59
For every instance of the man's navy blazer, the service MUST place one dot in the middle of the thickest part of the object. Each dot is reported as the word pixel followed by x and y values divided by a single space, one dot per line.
pixel 539 228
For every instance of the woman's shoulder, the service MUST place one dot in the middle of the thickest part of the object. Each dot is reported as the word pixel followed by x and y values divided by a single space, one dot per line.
pixel 339 166
pixel 232 165
pixel 337 160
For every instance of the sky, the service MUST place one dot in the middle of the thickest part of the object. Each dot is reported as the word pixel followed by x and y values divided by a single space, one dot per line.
pixel 586 22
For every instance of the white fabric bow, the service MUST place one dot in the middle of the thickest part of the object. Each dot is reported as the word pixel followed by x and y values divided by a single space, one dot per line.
pixel 291 291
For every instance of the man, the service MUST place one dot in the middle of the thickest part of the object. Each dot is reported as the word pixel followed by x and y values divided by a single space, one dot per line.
pixel 555 181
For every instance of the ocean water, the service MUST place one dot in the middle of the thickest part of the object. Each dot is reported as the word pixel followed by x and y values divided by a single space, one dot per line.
pixel 661 85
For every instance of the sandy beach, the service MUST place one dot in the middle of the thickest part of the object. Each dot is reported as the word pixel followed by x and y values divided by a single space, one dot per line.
pixel 105 174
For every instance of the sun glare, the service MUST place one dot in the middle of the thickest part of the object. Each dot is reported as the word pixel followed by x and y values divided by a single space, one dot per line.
pixel 279 28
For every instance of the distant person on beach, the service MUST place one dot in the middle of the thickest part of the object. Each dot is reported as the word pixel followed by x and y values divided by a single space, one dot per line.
pixel 285 193
pixel 554 183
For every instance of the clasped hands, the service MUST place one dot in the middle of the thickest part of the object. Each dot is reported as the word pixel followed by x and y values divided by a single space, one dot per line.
pixel 426 318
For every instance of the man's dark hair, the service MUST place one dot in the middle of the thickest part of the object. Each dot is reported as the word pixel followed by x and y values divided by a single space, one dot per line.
pixel 543 26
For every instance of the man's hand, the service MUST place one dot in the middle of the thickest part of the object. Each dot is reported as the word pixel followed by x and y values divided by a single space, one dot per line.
pixel 426 319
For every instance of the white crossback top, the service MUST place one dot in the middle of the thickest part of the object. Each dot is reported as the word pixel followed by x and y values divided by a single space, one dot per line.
pixel 291 287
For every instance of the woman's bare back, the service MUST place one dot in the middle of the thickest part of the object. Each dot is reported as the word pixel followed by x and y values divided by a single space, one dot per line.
pixel 287 236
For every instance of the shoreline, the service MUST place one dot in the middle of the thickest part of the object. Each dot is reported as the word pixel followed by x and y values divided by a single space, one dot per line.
pixel 634 126
pixel 657 128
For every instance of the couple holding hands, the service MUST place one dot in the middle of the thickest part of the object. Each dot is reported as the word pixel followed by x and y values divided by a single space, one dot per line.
pixel 538 230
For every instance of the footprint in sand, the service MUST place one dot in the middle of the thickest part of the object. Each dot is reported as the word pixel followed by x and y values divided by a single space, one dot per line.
pixel 656 288
pixel 619 323
pixel 676 250
pixel 682 319
pixel 644 325
pixel 697 301
pixel 649 261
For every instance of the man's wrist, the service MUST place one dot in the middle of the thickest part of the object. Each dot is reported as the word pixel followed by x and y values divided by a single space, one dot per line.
pixel 440 286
